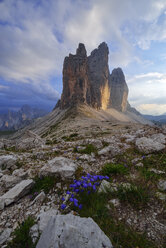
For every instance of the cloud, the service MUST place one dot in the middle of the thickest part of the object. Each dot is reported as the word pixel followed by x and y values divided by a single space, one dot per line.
pixel 148 92
pixel 149 109
pixel 3 87
pixel 37 35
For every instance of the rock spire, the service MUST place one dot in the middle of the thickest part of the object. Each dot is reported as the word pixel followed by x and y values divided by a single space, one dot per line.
pixel 86 79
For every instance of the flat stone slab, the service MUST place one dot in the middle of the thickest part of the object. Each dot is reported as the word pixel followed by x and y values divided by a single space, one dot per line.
pixel 5 235
pixel 17 192
pixel 59 166
pixel 71 231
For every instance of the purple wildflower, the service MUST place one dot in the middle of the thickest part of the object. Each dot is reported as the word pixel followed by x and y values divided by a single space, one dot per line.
pixel 85 185
pixel 76 190
pixel 80 206
pixel 94 187
pixel 30 196
pixel 63 206
pixel 75 204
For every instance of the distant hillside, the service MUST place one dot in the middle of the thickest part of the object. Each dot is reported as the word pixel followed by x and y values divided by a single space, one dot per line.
pixel 159 119
pixel 14 120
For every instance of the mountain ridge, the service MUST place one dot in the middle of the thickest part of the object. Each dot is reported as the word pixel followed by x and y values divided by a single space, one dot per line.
pixel 14 120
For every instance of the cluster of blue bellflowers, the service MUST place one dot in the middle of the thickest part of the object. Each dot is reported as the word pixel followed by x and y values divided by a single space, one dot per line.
pixel 88 183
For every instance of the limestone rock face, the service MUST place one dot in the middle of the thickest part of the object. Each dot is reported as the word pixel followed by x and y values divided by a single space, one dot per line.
pixel 98 74
pixel 149 145
pixel 86 79
pixel 71 231
pixel 119 90
pixel 75 78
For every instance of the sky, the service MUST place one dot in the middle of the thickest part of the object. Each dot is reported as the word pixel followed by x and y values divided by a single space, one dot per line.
pixel 36 35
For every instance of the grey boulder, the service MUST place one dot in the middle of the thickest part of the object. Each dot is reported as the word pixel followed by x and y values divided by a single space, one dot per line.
pixel 148 145
pixel 59 166
pixel 5 235
pixel 7 161
pixel 104 187
pixel 17 192
pixel 8 181
pixel 162 185
pixel 159 137
pixel 111 149
pixel 69 231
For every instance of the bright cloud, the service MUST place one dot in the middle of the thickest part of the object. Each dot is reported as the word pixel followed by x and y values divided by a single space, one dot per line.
pixel 149 109
pixel 148 92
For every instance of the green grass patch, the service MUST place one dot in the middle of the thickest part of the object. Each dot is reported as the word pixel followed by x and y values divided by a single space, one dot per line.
pixel 115 169
pixel 157 161
pixel 121 236
pixel 149 175
pixel 19 164
pixel 10 149
pixel 126 157
pixel 75 150
pixel 51 142
pixel 89 149
pixel 43 183
pixel 105 144
pixel 21 236
pixel 71 137
pixel 136 196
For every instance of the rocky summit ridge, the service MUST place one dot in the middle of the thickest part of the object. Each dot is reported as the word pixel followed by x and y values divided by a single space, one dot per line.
pixel 87 80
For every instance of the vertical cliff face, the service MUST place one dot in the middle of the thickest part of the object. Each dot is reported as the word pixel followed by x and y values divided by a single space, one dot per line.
pixel 88 80
pixel 75 78
pixel 119 90
pixel 98 74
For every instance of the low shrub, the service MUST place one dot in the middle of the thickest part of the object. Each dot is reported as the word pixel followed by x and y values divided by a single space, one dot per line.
pixel 89 149
pixel 137 196
pixel 44 183
pixel 21 236
pixel 109 169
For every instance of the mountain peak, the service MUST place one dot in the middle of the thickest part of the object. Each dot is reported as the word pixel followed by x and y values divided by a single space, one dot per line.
pixel 87 80
pixel 81 50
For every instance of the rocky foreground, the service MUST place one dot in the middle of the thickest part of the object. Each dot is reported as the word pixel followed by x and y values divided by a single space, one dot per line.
pixel 132 155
